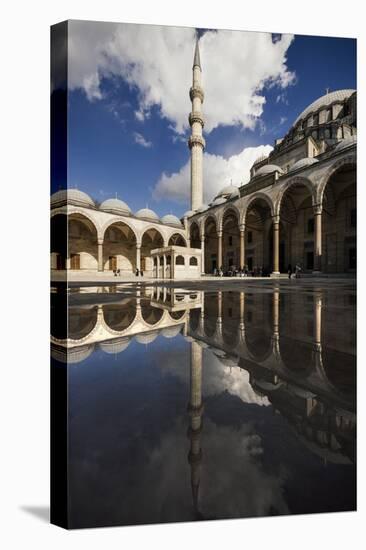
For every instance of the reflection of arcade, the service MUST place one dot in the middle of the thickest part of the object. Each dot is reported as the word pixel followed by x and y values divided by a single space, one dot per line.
pixel 112 325
pixel 310 385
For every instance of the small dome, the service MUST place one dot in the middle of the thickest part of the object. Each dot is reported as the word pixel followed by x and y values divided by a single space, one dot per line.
pixel 147 214
pixel 259 159
pixel 228 190
pixel 202 208
pixel 171 332
pixel 302 163
pixel 116 206
pixel 325 101
pixel 115 346
pixel 71 196
pixel 218 201
pixel 170 219
pixel 268 169
pixel 346 143
pixel 146 337
pixel 188 214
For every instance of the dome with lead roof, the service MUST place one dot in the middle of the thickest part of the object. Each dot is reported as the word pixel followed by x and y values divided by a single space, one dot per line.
pixel 218 201
pixel 115 206
pixel 170 219
pixel 346 143
pixel 325 101
pixel 71 196
pixel 202 208
pixel 268 169
pixel 229 190
pixel 188 214
pixel 303 163
pixel 147 214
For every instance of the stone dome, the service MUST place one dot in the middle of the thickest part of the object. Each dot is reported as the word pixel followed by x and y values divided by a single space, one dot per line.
pixel 325 101
pixel 147 214
pixel 268 169
pixel 146 337
pixel 170 219
pixel 228 190
pixel 71 196
pixel 202 208
pixel 115 346
pixel 188 214
pixel 116 206
pixel 218 201
pixel 302 163
pixel 259 159
pixel 346 143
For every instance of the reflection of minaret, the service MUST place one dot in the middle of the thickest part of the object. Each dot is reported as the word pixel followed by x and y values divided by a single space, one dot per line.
pixel 318 323
pixel 276 320
pixel 195 409
pixel 196 142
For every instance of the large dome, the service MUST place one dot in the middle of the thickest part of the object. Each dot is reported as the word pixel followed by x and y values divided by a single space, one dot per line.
pixel 147 214
pixel 302 163
pixel 116 206
pixel 170 219
pixel 71 196
pixel 325 101
pixel 268 169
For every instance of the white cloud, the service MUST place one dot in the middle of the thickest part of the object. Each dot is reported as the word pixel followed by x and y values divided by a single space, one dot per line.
pixel 157 61
pixel 139 138
pixel 217 172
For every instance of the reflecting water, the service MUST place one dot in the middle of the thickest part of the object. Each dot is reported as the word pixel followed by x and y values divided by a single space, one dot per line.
pixel 187 404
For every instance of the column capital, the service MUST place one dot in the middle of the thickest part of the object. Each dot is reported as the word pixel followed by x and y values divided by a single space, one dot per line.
pixel 100 241
pixel 276 219
pixel 220 233
pixel 317 209
pixel 138 245
pixel 242 227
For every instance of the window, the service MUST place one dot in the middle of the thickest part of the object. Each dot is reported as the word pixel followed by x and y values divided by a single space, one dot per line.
pixel 230 241
pixel 179 260
pixel 311 226
pixel 353 217
pixel 250 237
pixel 193 261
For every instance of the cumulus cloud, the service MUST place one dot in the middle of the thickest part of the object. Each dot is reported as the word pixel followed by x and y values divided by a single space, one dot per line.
pixel 157 62
pixel 217 172
pixel 139 138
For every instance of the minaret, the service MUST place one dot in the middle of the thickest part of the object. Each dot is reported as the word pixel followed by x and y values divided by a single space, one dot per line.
pixel 196 142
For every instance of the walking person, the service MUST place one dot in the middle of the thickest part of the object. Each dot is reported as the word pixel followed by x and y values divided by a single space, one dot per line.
pixel 289 271
pixel 137 272
pixel 297 271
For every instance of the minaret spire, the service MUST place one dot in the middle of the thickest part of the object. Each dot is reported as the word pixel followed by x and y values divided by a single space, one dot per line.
pixel 196 142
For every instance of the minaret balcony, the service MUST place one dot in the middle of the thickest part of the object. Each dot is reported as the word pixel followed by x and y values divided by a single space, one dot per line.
pixel 196 91
pixel 196 140
pixel 195 116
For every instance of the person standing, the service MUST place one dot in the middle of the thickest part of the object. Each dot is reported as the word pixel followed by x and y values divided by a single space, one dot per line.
pixel 289 271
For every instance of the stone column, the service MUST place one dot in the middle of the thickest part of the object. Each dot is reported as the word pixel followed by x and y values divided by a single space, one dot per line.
pixel 138 256
pixel 276 246
pixel 164 266
pixel 203 254
pixel 68 262
pixel 219 249
pixel 317 238
pixel 318 322
pixel 100 255
pixel 242 246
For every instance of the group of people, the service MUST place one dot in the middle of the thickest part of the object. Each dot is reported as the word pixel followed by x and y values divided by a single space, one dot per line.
pixel 233 271
pixel 139 272
pixel 295 272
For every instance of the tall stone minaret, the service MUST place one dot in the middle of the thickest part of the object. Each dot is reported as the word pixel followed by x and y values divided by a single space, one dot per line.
pixel 196 142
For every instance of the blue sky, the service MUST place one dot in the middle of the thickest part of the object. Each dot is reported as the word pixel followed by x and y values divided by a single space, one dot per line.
pixel 126 128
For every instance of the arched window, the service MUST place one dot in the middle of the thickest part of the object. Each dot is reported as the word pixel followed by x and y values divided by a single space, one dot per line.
pixel 193 261
pixel 179 260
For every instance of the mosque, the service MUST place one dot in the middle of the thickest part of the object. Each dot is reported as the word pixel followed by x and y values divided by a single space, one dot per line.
pixel 299 207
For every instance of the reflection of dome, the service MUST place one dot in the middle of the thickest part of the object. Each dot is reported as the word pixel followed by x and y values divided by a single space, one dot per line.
pixel 302 163
pixel 171 332
pixel 115 206
pixel 346 143
pixel 268 169
pixel 170 219
pixel 115 346
pixel 229 190
pixel 325 101
pixel 147 214
pixel 71 196
pixel 72 355
pixel 188 214
pixel 146 337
